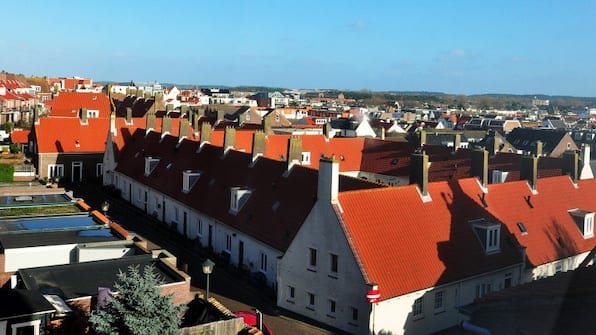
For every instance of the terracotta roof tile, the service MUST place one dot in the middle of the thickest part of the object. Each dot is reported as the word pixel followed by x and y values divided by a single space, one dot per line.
pixel 68 104
pixel 51 137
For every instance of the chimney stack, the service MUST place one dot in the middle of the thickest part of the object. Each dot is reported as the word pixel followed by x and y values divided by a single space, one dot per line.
pixel 183 111
pixel 221 115
pixel 479 166
pixel 169 108
pixel 529 170
pixel 266 123
pixel 419 172
pixel 113 129
pixel 327 130
pixel 195 122
pixel 538 148
pixel 229 139
pixel 183 130
pixel 571 164
pixel 83 115
pixel 166 126
pixel 294 155
pixel 258 144
pixel 35 115
pixel 151 122
pixel 128 115
pixel 456 141
pixel 586 172
pixel 205 135
pixel 328 182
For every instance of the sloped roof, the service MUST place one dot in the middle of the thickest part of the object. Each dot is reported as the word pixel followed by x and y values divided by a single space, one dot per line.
pixel 275 210
pixel 68 104
pixel 525 138
pixel 423 244
pixel 19 136
pixel 20 302
pixel 51 136
pixel 420 245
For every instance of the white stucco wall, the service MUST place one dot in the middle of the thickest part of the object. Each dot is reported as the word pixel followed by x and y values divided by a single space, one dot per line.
pixel 347 287
pixel 96 254
pixel 550 269
pixel 23 258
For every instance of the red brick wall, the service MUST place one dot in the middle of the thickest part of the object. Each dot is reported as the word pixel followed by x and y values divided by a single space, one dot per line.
pixel 180 292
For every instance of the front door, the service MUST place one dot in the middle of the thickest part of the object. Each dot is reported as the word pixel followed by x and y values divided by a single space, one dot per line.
pixel 240 254
pixel 77 172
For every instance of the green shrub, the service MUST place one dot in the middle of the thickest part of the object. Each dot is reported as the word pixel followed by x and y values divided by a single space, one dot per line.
pixel 6 173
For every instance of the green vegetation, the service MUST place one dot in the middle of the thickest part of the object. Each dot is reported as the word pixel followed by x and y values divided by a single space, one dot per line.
pixel 6 173
pixel 138 308
pixel 40 210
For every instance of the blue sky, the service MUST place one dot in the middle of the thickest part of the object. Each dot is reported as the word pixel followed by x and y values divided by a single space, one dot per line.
pixel 460 47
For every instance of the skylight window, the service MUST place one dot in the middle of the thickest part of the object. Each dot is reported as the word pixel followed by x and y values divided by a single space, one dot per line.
pixel 189 179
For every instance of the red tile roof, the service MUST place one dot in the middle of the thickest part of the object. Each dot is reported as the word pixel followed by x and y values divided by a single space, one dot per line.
pixel 68 104
pixel 260 217
pixel 405 245
pixel 19 136
pixel 51 137
pixel 422 245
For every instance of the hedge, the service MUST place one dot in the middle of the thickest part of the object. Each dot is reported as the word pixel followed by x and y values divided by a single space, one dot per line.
pixel 6 173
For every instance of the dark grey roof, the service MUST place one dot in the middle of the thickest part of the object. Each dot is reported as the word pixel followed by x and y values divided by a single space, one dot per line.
pixel 26 239
pixel 83 279
pixel 14 303
pixel 525 138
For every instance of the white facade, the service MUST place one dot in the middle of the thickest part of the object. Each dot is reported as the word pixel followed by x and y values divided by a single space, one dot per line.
pixel 256 256
pixel 31 257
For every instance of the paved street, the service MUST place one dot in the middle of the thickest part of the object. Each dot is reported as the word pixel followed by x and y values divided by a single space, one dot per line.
pixel 232 289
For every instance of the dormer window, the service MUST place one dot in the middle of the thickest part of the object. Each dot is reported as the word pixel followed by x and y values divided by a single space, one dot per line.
pixel 584 220
pixel 189 179
pixel 150 165
pixel 238 198
pixel 489 234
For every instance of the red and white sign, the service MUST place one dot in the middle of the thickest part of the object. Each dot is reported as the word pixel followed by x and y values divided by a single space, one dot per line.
pixel 374 295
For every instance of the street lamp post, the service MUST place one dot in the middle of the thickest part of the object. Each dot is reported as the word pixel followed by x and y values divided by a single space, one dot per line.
pixel 207 269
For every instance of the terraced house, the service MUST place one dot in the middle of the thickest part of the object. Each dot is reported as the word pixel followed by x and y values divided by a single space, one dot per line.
pixel 321 239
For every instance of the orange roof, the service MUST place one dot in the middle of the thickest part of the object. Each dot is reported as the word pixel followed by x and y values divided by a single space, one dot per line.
pixel 68 104
pixel 51 137
pixel 19 136
pixel 405 245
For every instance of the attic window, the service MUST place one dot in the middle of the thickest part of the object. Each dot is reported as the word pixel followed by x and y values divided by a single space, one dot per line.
pixel 169 166
pixel 77 144
pixel 238 198
pixel 488 233
pixel 189 179
pixel 522 228
pixel 306 158
pixel 150 165
pixel 584 220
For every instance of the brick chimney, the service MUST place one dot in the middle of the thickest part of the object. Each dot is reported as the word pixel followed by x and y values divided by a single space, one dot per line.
pixel 166 126
pixel 151 122
pixel 169 108
pixel 205 136
pixel 419 172
pixel 294 155
pixel 327 130
pixel 183 111
pixel 258 145
pixel 328 182
pixel 229 139
pixel 538 148
pixel 529 170
pixel 36 112
pixel 183 130
pixel 128 115
pixel 571 164
pixel 456 141
pixel 113 129
pixel 220 115
pixel 195 122
pixel 83 115
pixel 266 123
pixel 586 171
pixel 479 166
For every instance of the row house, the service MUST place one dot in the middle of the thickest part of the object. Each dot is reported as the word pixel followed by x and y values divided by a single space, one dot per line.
pixel 70 84
pixel 322 240
pixel 69 104
pixel 16 101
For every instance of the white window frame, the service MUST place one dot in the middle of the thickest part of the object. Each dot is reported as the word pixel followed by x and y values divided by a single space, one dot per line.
pixel 311 300
pixel 200 228
pixel 312 261
pixel 228 243
pixel 291 294
pixel 99 169
pixel 305 158
pixel 55 170
pixel 176 214
pixel 333 256
pixel 493 235
pixel 418 308
pixel 332 308
pixel 35 323
pixel 589 225
pixel 439 302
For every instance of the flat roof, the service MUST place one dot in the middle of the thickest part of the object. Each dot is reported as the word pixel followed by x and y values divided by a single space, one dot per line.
pixel 61 237
pixel 30 200
pixel 22 302
pixel 72 281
